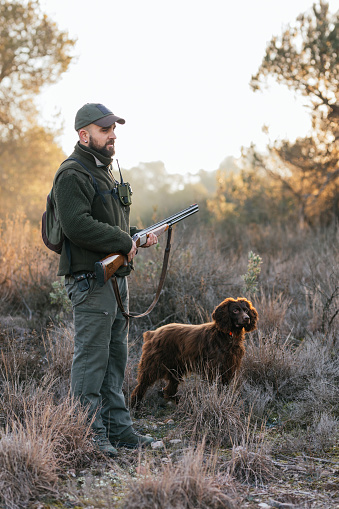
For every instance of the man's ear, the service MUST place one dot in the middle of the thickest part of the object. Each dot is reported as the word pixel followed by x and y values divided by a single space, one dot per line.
pixel 83 136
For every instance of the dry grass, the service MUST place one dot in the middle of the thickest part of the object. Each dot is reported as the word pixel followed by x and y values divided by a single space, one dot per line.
pixel 27 466
pixel 39 444
pixel 319 438
pixel 272 308
pixel 41 435
pixel 59 346
pixel 317 389
pixel 269 372
pixel 284 404
pixel 211 410
pixel 190 484
pixel 251 462
pixel 26 271
pixel 62 424
pixel 21 358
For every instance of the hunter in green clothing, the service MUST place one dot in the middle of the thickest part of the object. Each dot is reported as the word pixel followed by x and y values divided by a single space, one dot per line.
pixel 95 222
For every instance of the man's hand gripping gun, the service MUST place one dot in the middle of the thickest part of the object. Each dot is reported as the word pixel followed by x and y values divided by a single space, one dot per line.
pixel 106 268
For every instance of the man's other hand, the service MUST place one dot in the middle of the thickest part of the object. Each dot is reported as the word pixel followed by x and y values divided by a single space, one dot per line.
pixel 151 240
pixel 132 252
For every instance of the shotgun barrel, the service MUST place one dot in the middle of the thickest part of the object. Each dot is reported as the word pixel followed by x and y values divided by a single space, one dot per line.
pixel 105 268
pixel 175 218
pixel 141 237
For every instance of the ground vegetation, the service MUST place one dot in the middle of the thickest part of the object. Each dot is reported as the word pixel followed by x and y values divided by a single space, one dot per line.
pixel 267 230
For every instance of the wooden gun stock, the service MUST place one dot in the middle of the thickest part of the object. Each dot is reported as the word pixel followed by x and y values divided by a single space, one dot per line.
pixel 105 268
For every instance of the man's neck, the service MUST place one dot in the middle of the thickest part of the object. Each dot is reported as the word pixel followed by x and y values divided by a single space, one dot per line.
pixel 106 161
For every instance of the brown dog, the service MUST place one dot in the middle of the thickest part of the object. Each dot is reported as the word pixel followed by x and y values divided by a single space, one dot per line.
pixel 176 349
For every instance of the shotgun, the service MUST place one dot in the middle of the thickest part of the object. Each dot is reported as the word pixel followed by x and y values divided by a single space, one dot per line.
pixel 105 268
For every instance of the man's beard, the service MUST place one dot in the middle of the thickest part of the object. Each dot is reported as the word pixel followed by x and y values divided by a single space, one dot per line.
pixel 104 151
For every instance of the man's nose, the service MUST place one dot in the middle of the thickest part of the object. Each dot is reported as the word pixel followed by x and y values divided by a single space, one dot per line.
pixel 112 134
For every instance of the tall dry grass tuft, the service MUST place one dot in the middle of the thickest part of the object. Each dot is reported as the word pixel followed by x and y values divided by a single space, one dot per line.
pixel 34 450
pixel 28 467
pixel 190 484
pixel 41 434
pixel 59 347
pixel 317 390
pixel 321 291
pixel 269 371
pixel 21 356
pixel 302 267
pixel 212 410
pixel 319 438
pixel 323 434
pixel 295 384
pixel 26 271
pixel 19 397
pixel 63 425
pixel 68 426
pixel 272 308
pixel 251 462
pixel 31 357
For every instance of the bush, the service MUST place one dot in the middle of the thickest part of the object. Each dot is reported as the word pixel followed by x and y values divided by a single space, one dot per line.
pixel 40 439
pixel 251 462
pixel 28 466
pixel 26 271
pixel 211 410
pixel 188 485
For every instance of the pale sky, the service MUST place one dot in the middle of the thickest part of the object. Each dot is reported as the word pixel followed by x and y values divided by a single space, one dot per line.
pixel 178 72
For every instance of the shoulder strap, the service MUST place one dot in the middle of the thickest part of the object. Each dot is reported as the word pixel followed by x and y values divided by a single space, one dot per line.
pixel 100 193
pixel 95 185
pixel 157 295
pixel 96 189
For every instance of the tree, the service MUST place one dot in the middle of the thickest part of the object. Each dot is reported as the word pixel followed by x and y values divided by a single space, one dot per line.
pixel 27 169
pixel 163 193
pixel 305 58
pixel 247 198
pixel 33 53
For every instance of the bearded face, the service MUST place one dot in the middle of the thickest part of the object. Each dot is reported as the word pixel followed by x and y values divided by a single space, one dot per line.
pixel 103 147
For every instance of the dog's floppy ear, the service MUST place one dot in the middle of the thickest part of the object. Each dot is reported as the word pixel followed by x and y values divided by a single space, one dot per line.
pixel 222 317
pixel 253 316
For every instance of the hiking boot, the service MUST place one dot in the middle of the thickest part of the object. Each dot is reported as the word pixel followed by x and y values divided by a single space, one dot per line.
pixel 102 444
pixel 132 439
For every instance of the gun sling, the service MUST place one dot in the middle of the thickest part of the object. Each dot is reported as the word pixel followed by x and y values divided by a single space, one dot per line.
pixel 161 282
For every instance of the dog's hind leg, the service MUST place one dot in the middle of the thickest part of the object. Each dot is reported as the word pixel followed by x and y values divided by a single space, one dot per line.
pixel 171 389
pixel 137 395
pixel 145 380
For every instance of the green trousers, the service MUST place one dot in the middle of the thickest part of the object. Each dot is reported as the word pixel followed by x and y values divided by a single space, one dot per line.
pixel 100 354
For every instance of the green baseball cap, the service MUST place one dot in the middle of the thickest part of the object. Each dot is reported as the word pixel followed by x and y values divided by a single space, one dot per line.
pixel 98 114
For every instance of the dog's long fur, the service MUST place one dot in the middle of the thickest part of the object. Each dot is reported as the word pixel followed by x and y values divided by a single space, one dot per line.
pixel 213 348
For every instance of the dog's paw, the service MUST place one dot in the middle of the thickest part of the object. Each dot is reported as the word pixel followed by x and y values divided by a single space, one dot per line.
pixel 162 400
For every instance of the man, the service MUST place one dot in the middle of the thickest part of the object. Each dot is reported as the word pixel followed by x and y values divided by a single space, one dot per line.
pixel 95 222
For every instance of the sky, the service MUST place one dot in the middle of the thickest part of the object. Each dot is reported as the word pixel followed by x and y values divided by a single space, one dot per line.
pixel 178 72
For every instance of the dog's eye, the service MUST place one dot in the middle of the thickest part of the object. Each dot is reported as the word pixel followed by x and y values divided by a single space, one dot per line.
pixel 236 310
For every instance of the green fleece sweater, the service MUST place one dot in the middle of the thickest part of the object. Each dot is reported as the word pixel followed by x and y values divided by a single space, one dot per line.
pixel 96 225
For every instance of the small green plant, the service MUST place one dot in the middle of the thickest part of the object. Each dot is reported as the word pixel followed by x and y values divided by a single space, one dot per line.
pixel 59 295
pixel 252 274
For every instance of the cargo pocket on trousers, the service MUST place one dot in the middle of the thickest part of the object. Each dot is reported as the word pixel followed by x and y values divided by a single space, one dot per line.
pixel 92 327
